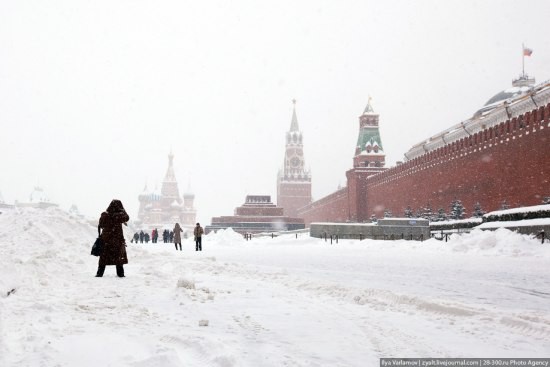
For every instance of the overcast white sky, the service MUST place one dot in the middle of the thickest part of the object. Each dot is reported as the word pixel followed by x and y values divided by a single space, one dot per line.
pixel 93 94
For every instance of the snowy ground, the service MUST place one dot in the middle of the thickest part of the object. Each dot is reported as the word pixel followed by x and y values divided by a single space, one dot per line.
pixel 268 302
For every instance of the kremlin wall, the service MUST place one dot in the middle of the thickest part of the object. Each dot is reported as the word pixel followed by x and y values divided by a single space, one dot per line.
pixel 501 154
pixel 497 158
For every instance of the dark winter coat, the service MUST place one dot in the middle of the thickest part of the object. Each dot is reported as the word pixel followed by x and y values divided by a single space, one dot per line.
pixel 114 250
pixel 198 231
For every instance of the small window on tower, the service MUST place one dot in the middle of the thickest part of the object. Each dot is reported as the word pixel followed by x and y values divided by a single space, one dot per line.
pixel 376 149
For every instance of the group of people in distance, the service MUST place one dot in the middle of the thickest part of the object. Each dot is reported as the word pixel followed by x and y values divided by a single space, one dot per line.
pixel 114 249
pixel 167 236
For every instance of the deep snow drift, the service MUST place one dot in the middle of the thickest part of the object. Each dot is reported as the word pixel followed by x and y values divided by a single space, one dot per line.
pixel 267 302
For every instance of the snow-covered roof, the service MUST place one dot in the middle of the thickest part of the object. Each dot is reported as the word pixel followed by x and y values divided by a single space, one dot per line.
pixel 507 94
pixel 457 221
pixel 525 209
pixel 343 224
pixel 516 223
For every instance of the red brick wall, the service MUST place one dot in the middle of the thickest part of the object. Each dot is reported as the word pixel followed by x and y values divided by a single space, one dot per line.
pixel 510 161
pixel 331 208
pixel 292 196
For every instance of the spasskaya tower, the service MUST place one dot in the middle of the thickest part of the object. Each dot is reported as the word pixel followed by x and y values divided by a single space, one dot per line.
pixel 293 181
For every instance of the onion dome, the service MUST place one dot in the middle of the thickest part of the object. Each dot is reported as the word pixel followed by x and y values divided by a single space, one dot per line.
pixel 155 195
pixel 144 194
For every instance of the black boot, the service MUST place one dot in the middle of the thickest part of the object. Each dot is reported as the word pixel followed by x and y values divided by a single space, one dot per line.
pixel 120 271
pixel 100 271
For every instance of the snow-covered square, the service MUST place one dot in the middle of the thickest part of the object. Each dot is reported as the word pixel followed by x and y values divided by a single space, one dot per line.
pixel 266 302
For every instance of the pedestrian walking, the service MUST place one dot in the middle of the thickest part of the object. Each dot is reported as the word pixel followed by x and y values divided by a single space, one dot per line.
pixel 177 236
pixel 198 232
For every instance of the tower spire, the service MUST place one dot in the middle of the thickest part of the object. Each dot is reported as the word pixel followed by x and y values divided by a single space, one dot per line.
pixel 369 108
pixel 294 123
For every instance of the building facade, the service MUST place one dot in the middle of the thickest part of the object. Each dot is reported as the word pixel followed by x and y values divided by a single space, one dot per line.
pixel 257 214
pixel 294 180
pixel 165 208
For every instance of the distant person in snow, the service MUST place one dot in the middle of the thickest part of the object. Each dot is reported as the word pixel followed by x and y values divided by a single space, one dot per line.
pixel 198 232
pixel 114 249
pixel 177 236
pixel 146 237
pixel 141 236
pixel 136 237
pixel 155 235
pixel 171 237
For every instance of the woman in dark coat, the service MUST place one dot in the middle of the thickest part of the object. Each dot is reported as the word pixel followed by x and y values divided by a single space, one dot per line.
pixel 114 249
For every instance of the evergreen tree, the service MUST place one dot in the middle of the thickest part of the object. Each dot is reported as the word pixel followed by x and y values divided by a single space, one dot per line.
pixel 427 212
pixel 546 200
pixel 373 218
pixel 408 212
pixel 457 210
pixel 387 213
pixel 478 212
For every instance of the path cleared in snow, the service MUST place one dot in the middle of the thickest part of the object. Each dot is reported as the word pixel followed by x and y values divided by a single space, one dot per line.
pixel 268 302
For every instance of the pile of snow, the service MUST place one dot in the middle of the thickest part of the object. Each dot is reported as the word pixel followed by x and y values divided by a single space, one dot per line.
pixel 225 237
pixel 186 283
pixel 36 241
pixel 501 242
pixel 266 302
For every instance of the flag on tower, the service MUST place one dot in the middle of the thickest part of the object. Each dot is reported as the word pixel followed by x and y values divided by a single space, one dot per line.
pixel 527 51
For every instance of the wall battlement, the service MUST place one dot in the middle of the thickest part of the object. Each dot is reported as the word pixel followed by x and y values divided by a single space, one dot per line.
pixel 516 128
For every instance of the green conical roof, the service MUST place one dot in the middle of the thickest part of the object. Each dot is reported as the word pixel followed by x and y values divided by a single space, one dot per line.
pixel 369 135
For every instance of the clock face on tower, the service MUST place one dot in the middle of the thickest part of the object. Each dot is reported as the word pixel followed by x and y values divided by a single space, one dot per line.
pixel 295 162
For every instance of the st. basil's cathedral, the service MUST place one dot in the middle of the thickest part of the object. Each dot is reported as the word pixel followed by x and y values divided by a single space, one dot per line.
pixel 163 209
